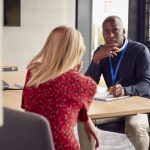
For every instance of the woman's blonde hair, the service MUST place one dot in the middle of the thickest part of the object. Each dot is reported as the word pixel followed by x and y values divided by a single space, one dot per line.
pixel 62 51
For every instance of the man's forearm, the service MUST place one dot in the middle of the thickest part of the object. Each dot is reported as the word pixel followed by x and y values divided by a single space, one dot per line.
pixel 94 72
pixel 140 89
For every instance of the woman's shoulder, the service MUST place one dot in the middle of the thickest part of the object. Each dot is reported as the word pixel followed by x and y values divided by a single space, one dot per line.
pixel 73 80
pixel 86 85
pixel 80 78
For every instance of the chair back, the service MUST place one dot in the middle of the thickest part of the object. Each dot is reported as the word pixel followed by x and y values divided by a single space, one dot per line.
pixel 25 131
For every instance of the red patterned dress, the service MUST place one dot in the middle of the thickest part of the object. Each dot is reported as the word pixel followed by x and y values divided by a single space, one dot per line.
pixel 62 101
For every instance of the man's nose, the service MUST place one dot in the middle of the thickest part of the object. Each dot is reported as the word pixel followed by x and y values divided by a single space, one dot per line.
pixel 111 34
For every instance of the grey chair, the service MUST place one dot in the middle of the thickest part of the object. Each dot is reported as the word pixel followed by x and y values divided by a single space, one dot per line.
pixel 25 131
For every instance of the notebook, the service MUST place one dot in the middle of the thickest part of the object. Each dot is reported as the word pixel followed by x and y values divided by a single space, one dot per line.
pixel 7 86
pixel 103 95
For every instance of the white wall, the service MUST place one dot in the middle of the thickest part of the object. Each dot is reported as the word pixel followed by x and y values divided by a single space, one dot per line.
pixel 38 17
pixel 1 113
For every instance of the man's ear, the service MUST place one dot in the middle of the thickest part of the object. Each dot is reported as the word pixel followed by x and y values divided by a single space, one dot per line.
pixel 124 31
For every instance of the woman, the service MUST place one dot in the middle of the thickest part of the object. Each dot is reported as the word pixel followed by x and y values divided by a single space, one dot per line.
pixel 55 89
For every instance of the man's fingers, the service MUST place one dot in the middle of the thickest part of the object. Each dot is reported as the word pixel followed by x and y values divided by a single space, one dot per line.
pixel 118 90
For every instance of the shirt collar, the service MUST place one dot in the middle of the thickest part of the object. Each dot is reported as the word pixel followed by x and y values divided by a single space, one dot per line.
pixel 126 40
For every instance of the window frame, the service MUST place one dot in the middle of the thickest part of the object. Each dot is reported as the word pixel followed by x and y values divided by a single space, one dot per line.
pixel 138 21
pixel 136 24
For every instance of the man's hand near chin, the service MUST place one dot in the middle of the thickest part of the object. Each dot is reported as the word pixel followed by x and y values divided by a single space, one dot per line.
pixel 107 50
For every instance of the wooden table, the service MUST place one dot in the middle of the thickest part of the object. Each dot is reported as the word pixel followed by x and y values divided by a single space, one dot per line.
pixel 121 107
pixel 12 98
pixel 14 77
pixel 98 109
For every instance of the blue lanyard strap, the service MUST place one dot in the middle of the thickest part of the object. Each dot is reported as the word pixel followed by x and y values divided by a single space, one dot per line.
pixel 114 72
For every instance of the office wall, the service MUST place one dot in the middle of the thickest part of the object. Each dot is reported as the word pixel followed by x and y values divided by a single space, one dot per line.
pixel 1 113
pixel 38 17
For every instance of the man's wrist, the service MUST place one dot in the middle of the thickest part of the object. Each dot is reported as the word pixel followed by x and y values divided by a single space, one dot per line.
pixel 96 59
pixel 123 92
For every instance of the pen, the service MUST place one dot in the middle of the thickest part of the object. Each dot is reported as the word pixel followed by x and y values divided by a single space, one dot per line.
pixel 117 82
pixel 115 85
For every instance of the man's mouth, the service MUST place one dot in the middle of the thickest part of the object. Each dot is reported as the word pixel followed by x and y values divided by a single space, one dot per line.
pixel 111 41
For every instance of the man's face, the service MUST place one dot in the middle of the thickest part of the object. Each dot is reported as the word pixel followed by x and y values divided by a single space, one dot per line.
pixel 113 32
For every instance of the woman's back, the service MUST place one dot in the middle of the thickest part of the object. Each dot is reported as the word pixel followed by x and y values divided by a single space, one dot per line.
pixel 60 101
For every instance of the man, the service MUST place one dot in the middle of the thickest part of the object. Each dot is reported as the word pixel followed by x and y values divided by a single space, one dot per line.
pixel 127 61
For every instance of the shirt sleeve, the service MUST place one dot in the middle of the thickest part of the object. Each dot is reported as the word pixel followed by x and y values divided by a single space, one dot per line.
pixel 94 72
pixel 83 115
pixel 89 90
pixel 141 88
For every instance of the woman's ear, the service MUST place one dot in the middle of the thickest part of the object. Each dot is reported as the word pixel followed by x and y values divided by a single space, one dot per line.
pixel 78 67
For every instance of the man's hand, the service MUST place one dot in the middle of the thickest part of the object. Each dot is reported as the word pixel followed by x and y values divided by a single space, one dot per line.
pixel 117 90
pixel 108 50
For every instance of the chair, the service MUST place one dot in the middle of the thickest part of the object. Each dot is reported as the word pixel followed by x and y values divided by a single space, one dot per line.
pixel 25 131
pixel 118 127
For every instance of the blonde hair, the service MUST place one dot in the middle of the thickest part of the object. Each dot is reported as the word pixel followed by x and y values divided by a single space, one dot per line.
pixel 62 51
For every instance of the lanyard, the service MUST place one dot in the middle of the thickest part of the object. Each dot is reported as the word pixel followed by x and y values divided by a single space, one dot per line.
pixel 114 72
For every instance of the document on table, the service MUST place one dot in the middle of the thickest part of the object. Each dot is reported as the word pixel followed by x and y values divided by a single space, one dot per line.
pixel 7 86
pixel 103 95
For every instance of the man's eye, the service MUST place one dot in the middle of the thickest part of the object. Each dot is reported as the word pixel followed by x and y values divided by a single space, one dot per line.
pixel 106 32
pixel 115 30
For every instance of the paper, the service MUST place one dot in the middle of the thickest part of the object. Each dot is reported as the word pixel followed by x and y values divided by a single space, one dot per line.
pixel 7 86
pixel 103 95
